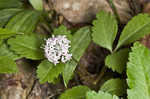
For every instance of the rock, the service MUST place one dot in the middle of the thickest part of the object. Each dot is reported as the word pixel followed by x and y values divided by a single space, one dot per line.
pixel 83 11
pixel 17 86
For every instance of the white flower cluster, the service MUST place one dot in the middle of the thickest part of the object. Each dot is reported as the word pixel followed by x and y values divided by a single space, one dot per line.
pixel 57 49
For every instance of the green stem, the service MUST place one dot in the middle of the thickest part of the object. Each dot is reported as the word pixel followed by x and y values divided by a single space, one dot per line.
pixel 114 9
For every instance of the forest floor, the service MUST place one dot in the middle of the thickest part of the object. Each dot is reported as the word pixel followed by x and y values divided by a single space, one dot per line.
pixel 90 71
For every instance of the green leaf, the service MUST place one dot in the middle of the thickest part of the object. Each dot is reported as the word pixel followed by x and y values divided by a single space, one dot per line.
pixel 135 29
pixel 68 71
pixel 138 72
pixel 62 30
pixel 5 33
pixel 7 65
pixel 77 92
pixel 28 46
pixel 24 22
pixel 49 72
pixel 117 61
pixel 115 87
pixel 4 4
pixel 100 95
pixel 37 4
pixel 104 30
pixel 80 41
pixel 5 51
pixel 6 14
pixel 1 41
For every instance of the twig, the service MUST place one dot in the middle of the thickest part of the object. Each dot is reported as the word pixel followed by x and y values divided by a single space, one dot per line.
pixel 100 75
pixel 114 9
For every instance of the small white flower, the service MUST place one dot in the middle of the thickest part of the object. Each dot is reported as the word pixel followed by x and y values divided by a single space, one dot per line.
pixel 57 49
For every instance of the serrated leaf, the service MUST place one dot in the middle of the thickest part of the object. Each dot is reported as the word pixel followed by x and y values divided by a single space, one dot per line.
pixel 6 14
pixel 7 65
pixel 10 4
pixel 37 4
pixel 100 95
pixel 104 30
pixel 115 87
pixel 28 46
pixel 68 71
pixel 117 61
pixel 135 29
pixel 80 41
pixel 48 72
pixel 138 72
pixel 62 30
pixel 5 33
pixel 24 22
pixel 4 51
pixel 77 92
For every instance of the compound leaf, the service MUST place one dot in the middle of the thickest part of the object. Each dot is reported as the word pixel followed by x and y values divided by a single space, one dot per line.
pixel 28 46
pixel 24 22
pixel 62 30
pixel 100 95
pixel 7 65
pixel 5 51
pixel 138 73
pixel 68 71
pixel 5 33
pixel 6 14
pixel 4 4
pixel 135 29
pixel 104 30
pixel 78 92
pixel 80 39
pixel 48 72
pixel 115 87
pixel 117 61
pixel 37 4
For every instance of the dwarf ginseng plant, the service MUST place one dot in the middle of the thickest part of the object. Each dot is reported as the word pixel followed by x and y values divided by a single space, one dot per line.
pixel 136 59
pixel 60 52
